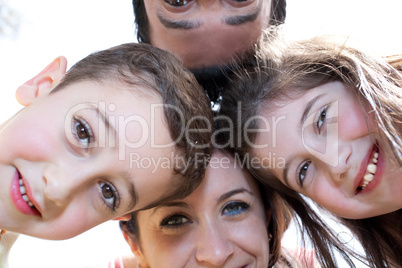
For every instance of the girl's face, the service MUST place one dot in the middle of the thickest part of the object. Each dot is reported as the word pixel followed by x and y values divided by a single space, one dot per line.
pixel 322 145
pixel 70 160
pixel 221 224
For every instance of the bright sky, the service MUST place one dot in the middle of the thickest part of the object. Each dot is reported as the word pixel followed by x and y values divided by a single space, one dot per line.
pixel 75 28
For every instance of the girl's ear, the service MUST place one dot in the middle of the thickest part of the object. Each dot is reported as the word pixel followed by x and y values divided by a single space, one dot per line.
pixel 135 249
pixel 43 82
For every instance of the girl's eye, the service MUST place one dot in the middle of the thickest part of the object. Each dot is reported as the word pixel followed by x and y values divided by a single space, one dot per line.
pixel 302 172
pixel 177 3
pixel 83 132
pixel 109 195
pixel 175 221
pixel 321 118
pixel 235 208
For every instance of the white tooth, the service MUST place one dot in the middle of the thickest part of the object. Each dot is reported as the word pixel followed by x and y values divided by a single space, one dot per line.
pixel 21 182
pixel 374 160
pixel 376 155
pixel 23 190
pixel 30 204
pixel 25 197
pixel 372 168
pixel 364 186
pixel 368 177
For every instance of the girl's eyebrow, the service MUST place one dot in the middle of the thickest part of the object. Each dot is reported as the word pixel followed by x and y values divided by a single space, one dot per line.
pixel 307 110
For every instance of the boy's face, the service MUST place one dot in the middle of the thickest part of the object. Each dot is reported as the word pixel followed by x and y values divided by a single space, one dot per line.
pixel 81 156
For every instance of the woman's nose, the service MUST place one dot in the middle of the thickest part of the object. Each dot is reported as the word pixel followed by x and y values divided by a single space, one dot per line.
pixel 214 246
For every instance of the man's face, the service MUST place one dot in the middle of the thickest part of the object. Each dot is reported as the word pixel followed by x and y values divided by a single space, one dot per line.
pixel 206 32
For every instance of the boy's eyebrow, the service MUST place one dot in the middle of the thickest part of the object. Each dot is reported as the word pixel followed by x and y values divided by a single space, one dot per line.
pixel 131 189
pixel 102 115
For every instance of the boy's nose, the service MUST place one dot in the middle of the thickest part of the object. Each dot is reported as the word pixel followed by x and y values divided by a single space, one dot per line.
pixel 63 184
pixel 214 246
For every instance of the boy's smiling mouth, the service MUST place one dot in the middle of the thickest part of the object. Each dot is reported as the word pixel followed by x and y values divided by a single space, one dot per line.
pixel 371 169
pixel 24 193
pixel 20 196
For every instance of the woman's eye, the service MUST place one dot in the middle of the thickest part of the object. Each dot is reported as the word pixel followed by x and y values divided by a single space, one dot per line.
pixel 234 208
pixel 109 195
pixel 302 172
pixel 83 132
pixel 175 221
pixel 177 3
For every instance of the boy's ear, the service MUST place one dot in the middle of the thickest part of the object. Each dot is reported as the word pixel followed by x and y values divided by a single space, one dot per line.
pixel 43 82
pixel 135 249
pixel 126 217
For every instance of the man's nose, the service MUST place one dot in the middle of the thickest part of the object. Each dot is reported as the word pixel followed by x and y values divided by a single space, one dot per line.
pixel 213 246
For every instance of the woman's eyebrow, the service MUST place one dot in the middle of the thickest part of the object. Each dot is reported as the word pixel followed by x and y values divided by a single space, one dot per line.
pixel 233 192
pixel 170 204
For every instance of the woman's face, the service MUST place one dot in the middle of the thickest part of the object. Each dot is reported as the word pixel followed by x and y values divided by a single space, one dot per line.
pixel 206 32
pixel 323 145
pixel 222 223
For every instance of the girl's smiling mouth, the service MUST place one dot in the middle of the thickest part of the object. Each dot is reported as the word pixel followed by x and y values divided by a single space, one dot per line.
pixel 20 196
pixel 369 172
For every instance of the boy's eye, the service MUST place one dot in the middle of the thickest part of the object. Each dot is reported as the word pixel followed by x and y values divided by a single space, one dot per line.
pixel 175 221
pixel 177 3
pixel 302 172
pixel 235 208
pixel 109 195
pixel 83 132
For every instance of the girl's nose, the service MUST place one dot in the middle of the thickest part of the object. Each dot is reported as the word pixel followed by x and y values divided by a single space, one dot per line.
pixel 343 153
pixel 214 246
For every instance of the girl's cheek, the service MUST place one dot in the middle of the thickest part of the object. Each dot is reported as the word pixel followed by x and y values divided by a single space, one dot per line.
pixel 353 122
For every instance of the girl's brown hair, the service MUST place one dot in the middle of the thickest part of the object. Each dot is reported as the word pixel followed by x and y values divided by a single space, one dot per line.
pixel 282 71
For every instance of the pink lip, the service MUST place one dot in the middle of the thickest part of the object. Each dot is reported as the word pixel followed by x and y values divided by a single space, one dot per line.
pixel 17 200
pixel 362 171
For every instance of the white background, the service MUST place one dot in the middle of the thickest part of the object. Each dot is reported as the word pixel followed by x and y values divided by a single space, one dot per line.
pixel 75 28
